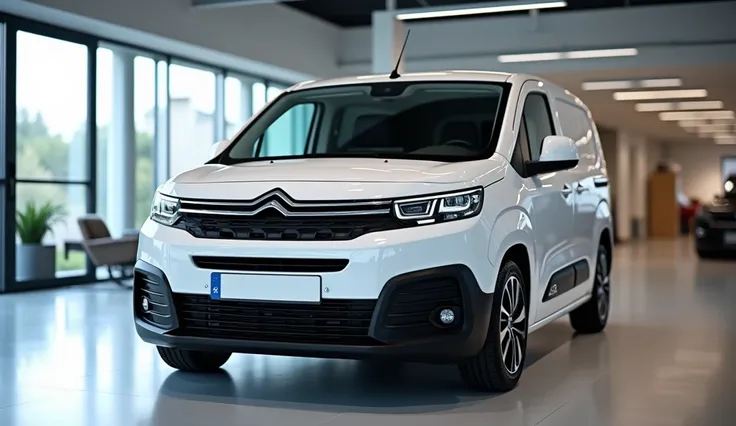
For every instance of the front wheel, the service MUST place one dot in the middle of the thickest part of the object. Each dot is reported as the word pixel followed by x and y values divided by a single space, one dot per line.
pixel 500 363
pixel 592 317
pixel 193 361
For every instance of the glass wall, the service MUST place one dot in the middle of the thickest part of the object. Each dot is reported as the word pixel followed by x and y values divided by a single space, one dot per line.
pixel 3 153
pixel 51 147
pixel 95 128
pixel 192 108
pixel 127 125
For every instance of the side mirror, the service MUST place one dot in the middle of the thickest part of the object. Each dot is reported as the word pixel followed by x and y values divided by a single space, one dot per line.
pixel 558 153
pixel 217 148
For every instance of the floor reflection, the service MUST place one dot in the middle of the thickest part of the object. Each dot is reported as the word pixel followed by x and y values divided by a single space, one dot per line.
pixel 71 356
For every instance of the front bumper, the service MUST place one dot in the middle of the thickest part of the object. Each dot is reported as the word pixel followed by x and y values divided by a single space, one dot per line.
pixel 712 237
pixel 401 323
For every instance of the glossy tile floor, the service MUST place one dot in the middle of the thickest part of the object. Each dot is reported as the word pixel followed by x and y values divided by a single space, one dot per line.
pixel 71 357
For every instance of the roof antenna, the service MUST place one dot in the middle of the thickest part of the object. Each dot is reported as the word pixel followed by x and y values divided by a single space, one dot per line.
pixel 395 73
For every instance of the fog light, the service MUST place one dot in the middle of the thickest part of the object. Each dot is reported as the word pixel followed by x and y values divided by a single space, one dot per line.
pixel 699 232
pixel 145 305
pixel 447 316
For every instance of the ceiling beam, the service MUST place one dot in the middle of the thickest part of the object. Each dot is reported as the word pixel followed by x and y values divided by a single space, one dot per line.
pixel 208 4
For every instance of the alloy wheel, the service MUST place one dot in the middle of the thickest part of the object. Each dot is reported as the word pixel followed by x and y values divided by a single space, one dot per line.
pixel 513 325
pixel 603 286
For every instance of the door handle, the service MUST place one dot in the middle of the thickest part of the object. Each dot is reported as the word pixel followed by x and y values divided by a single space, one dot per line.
pixel 580 189
pixel 566 190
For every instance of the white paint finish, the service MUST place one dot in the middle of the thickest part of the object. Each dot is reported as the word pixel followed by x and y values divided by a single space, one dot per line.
pixel 595 29
pixel 558 148
pixel 622 208
pixel 374 258
pixel 388 35
pixel 700 164
pixel 338 170
pixel 537 212
pixel 270 287
pixel 245 39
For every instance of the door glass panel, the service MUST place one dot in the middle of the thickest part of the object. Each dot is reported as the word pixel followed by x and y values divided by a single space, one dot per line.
pixel 192 116
pixel 71 200
pixel 52 109
pixel 51 146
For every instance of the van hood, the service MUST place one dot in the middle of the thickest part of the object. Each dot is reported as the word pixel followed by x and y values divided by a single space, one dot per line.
pixel 334 178
pixel 340 170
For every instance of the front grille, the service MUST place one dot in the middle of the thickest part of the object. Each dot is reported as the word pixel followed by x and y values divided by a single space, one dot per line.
pixel 329 322
pixel 273 226
pixel 275 216
pixel 154 290
pixel 724 216
pixel 256 264
pixel 411 306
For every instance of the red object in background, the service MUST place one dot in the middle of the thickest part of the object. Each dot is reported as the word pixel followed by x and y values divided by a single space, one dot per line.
pixel 688 212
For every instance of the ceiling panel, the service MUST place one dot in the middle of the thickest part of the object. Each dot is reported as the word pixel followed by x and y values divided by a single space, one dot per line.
pixel 350 13
pixel 717 80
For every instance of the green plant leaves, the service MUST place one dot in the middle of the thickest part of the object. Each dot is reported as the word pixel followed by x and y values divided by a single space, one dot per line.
pixel 33 222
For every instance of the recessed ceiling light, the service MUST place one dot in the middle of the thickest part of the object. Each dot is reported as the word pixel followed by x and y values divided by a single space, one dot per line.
pixel 478 9
pixel 577 54
pixel 715 128
pixel 678 106
pixel 660 94
pixel 692 123
pixel 695 115
pixel 632 84
pixel 725 139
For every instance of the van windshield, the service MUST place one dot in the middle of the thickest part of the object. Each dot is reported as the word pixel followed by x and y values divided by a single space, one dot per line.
pixel 440 121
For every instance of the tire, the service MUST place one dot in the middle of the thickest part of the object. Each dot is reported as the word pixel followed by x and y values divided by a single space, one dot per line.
pixel 707 254
pixel 490 370
pixel 592 317
pixel 193 361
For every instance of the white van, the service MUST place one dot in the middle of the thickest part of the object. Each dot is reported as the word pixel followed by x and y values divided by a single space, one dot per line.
pixel 431 217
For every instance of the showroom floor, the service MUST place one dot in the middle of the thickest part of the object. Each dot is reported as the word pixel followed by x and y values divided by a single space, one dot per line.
pixel 71 357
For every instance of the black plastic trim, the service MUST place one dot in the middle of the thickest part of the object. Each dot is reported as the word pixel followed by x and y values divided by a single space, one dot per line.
pixel 152 271
pixel 566 279
pixel 582 271
pixel 467 342
pixel 269 264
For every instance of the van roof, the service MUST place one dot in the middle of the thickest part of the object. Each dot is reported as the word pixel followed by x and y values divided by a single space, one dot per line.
pixel 469 76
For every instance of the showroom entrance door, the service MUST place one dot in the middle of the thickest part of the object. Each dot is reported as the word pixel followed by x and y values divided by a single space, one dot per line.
pixel 48 139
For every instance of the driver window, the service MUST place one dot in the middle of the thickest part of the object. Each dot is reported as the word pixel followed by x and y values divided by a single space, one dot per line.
pixel 288 135
pixel 538 122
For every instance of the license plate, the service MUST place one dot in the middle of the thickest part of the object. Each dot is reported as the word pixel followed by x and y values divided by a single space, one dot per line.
pixel 729 238
pixel 262 287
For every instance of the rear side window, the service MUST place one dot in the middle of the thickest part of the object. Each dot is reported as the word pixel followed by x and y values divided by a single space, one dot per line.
pixel 537 122
pixel 577 125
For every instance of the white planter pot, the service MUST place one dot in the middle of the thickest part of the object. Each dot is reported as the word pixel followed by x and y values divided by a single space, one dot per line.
pixel 35 262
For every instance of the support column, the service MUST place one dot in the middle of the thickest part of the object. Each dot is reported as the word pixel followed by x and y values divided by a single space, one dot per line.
pixel 219 109
pixel 246 101
pixel 639 187
pixel 388 37
pixel 622 208
pixel 121 147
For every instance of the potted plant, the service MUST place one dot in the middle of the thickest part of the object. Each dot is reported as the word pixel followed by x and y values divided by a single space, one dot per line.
pixel 33 260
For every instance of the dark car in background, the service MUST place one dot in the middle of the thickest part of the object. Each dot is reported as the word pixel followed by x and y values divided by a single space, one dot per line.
pixel 715 224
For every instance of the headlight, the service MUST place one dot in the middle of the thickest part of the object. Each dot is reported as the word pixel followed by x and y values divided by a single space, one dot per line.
pixel 164 210
pixel 440 208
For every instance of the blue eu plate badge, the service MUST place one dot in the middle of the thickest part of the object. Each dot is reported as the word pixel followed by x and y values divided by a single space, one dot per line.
pixel 215 281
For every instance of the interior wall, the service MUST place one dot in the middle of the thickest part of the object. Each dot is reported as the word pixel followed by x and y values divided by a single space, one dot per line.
pixel 267 38
pixel 681 34
pixel 700 165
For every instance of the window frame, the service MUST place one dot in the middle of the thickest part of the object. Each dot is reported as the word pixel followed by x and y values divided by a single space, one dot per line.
pixel 522 142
